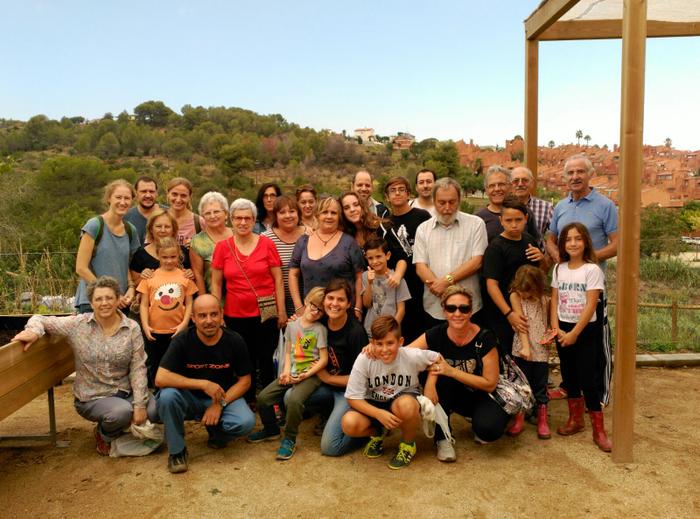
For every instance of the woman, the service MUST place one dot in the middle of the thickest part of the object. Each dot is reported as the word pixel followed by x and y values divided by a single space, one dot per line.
pixel 161 224
pixel 465 381
pixel 252 269
pixel 214 208
pixel 284 234
pixel 110 363
pixel 265 201
pixel 357 220
pixel 180 199
pixel 106 246
pixel 328 253
pixel 306 200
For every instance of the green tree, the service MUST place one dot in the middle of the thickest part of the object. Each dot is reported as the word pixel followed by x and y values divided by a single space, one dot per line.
pixel 177 148
pixel 152 113
pixel 579 136
pixel 108 146
pixel 550 144
pixel 587 138
pixel 661 231
pixel 668 142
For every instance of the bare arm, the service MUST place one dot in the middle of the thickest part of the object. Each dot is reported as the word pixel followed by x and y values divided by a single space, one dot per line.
pixel 486 382
pixel 610 250
pixel 523 336
pixel 216 282
pixel 279 296
pixel 167 378
pixel 516 319
pixel 294 291
pixel 551 247
pixel 197 264
pixel 591 302
pixel 82 260
pixel 333 380
pixel 400 311
pixel 188 314
pixel 320 364
pixel 420 343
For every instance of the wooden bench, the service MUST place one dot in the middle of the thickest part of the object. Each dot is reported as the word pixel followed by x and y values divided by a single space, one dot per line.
pixel 26 375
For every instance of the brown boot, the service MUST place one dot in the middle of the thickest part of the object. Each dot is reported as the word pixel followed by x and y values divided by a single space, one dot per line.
pixel 575 422
pixel 543 432
pixel 600 437
pixel 517 426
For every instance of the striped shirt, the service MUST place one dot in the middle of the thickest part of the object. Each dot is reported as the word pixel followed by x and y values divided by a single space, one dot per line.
pixel 285 251
pixel 542 211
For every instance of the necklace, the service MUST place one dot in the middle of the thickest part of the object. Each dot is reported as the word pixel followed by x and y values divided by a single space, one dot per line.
pixel 325 242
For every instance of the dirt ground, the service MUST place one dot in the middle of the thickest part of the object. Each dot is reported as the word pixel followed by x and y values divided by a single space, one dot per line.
pixel 511 478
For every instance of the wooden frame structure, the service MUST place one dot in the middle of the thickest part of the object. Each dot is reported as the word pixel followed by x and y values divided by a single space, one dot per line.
pixel 544 24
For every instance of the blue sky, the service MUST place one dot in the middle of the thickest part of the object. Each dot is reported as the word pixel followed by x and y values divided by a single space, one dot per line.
pixel 440 69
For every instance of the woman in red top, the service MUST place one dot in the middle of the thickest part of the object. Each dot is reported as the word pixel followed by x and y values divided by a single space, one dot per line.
pixel 252 268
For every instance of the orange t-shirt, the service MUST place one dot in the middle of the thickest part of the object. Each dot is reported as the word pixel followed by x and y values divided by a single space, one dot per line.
pixel 167 292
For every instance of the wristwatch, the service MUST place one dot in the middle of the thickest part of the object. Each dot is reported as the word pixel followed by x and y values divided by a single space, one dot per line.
pixel 450 279
pixel 223 402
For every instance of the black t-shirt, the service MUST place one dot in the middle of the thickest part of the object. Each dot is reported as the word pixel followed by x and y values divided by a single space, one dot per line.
pixel 494 227
pixel 344 346
pixel 461 357
pixel 503 257
pixel 143 260
pixel 221 363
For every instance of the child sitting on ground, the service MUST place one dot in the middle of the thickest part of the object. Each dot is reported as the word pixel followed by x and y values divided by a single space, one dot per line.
pixel 305 355
pixel 382 392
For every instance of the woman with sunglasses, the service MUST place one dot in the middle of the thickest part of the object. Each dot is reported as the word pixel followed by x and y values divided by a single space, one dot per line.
pixel 468 371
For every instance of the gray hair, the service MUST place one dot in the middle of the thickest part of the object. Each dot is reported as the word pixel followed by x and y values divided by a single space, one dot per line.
pixel 493 170
pixel 584 158
pixel 446 183
pixel 103 282
pixel 526 170
pixel 243 204
pixel 213 197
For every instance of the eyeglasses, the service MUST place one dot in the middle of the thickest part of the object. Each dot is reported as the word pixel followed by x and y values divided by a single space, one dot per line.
pixel 499 185
pixel 397 190
pixel 212 214
pixel 316 309
pixel 242 218
pixel 521 181
pixel 465 309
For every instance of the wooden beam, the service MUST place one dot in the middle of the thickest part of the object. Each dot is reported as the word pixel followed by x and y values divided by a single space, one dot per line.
pixel 531 106
pixel 545 15
pixel 612 29
pixel 631 168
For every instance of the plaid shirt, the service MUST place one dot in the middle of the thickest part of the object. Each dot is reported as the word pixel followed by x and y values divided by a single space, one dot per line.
pixel 542 210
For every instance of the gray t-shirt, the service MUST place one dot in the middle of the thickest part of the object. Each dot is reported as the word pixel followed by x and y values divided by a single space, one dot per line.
pixel 374 380
pixel 305 343
pixel 111 257
pixel 384 297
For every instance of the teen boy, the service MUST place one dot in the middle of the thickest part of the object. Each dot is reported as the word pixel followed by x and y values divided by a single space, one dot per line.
pixel 382 392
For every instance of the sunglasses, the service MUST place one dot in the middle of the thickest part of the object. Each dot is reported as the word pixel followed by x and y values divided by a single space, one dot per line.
pixel 465 309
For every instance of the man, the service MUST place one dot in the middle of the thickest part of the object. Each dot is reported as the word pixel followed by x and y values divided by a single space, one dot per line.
pixel 497 183
pixel 521 179
pixel 448 250
pixel 425 179
pixel 599 214
pixel 203 376
pixel 400 233
pixel 362 186
pixel 146 194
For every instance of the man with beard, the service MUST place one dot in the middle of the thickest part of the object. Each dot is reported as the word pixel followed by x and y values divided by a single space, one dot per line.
pixel 146 194
pixel 448 250
pixel 425 180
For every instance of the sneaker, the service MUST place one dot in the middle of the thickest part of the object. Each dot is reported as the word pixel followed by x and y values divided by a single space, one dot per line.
pixel 375 445
pixel 558 393
pixel 403 456
pixel 177 463
pixel 287 448
pixel 446 451
pixel 101 445
pixel 264 435
pixel 217 439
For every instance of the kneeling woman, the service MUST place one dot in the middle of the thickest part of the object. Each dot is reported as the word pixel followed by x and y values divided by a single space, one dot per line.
pixel 110 364
pixel 468 371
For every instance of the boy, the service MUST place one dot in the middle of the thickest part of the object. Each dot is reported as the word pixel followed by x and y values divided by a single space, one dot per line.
pixel 378 296
pixel 382 392
pixel 305 355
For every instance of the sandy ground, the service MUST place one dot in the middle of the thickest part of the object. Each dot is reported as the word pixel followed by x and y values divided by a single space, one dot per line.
pixel 511 478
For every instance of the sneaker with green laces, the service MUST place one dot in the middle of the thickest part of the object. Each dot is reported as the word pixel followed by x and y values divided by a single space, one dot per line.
pixel 375 445
pixel 287 448
pixel 264 435
pixel 403 456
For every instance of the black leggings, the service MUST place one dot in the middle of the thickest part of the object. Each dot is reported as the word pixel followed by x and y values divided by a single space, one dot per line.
pixel 154 354
pixel 536 374
pixel 578 363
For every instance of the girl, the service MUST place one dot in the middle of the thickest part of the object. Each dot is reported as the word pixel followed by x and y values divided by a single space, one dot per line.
pixel 166 306
pixel 576 285
pixel 357 220
pixel 528 297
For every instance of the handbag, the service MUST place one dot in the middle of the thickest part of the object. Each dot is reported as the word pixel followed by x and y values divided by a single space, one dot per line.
pixel 513 393
pixel 266 304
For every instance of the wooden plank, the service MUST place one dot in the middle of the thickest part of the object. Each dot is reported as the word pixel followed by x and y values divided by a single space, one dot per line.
pixel 39 358
pixel 631 168
pixel 545 15
pixel 612 29
pixel 531 105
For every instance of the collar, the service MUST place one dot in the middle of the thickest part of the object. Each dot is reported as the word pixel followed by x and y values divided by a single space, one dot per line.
pixel 588 197
pixel 123 322
pixel 436 222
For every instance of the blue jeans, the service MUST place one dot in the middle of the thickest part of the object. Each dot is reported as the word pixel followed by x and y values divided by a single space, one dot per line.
pixel 177 405
pixel 334 442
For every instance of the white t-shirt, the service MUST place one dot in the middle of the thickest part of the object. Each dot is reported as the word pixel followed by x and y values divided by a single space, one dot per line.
pixel 572 286
pixel 374 380
pixel 416 203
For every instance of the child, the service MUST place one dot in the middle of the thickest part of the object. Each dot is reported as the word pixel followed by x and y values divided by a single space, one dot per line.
pixel 378 296
pixel 166 305
pixel 528 297
pixel 382 392
pixel 576 285
pixel 305 355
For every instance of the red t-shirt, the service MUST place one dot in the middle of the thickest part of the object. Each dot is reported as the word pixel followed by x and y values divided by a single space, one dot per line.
pixel 240 298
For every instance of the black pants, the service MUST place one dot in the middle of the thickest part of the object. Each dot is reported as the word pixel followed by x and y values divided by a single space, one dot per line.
pixel 578 364
pixel 603 362
pixel 261 341
pixel 536 374
pixel 154 354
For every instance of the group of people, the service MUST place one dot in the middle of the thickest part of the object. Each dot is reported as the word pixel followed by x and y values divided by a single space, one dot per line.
pixel 367 304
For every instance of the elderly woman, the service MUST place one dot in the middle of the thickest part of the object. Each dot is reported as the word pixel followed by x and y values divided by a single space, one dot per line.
pixel 328 253
pixel 252 269
pixel 468 370
pixel 110 363
pixel 357 220
pixel 265 201
pixel 106 245
pixel 180 200
pixel 214 208
pixel 306 200
pixel 284 234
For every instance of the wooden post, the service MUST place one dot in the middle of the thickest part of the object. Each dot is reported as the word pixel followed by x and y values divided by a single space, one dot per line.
pixel 674 322
pixel 631 167
pixel 531 93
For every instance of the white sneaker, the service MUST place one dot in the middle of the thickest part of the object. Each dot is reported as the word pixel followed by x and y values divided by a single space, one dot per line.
pixel 446 451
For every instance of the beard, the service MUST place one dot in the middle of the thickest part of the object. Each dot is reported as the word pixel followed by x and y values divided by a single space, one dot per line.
pixel 447 219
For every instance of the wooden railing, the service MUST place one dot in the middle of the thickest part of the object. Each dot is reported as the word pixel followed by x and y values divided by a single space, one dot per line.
pixel 674 307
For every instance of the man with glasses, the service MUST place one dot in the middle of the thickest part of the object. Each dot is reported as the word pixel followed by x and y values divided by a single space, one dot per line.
pixel 146 195
pixel 541 210
pixel 425 179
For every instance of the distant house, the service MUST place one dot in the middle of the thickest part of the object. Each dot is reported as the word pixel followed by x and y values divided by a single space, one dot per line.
pixel 403 141
pixel 366 134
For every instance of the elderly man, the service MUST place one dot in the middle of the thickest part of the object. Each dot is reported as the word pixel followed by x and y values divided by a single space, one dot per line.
pixel 203 376
pixel 448 250
pixel 363 186
pixel 146 194
pixel 497 183
pixel 541 210
pixel 425 179
pixel 586 205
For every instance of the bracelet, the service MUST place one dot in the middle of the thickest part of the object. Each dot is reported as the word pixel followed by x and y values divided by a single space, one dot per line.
pixel 358 309
pixel 450 279
pixel 297 309
pixel 508 313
